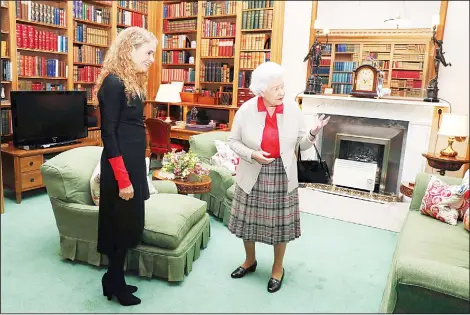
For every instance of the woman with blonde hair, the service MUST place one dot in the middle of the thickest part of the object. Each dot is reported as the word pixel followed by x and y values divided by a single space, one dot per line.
pixel 121 87
pixel 266 133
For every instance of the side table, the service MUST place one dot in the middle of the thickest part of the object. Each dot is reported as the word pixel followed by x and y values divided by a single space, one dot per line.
pixel 187 187
pixel 445 163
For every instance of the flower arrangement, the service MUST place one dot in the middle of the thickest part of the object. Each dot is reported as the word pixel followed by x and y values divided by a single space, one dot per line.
pixel 182 165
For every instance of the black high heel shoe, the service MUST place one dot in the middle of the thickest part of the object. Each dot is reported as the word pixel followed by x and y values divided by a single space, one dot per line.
pixel 275 284
pixel 130 288
pixel 241 272
pixel 125 297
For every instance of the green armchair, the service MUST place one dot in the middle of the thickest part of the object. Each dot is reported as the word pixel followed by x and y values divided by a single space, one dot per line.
pixel 176 226
pixel 430 267
pixel 219 199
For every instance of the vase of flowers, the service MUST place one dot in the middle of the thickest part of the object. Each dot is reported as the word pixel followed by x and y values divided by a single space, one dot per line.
pixel 183 166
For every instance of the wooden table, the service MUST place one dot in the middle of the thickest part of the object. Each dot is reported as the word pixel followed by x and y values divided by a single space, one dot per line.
pixel 445 163
pixel 187 187
pixel 407 188
pixel 21 168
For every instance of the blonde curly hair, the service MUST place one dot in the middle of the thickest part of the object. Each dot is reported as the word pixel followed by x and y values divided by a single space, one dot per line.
pixel 118 61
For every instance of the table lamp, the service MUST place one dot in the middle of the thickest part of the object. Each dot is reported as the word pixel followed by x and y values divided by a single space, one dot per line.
pixel 454 126
pixel 168 93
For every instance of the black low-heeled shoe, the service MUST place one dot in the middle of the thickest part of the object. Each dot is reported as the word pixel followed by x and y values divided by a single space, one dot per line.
pixel 130 288
pixel 275 284
pixel 241 272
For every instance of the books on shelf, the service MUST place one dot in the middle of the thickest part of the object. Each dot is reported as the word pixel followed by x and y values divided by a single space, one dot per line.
pixel 212 28
pixel 88 54
pixel 184 25
pixel 176 41
pixel 85 11
pixel 40 66
pixel 217 47
pixel 257 4
pixel 258 19
pixel 175 57
pixel 28 36
pixel 90 35
pixel 40 12
pixel 219 8
pixel 85 74
pixel 182 9
pixel 140 6
pixel 184 75
pixel 254 41
pixel 250 60
pixel 216 72
pixel 129 18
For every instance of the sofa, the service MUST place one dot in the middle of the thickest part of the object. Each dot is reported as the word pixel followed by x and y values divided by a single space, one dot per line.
pixel 176 226
pixel 219 198
pixel 430 267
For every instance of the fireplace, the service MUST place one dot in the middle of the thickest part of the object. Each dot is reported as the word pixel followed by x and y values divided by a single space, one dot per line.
pixel 367 140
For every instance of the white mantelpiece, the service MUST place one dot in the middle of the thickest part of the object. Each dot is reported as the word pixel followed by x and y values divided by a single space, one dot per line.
pixel 419 114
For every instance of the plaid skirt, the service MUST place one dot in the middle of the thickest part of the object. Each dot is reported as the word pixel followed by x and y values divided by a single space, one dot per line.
pixel 268 214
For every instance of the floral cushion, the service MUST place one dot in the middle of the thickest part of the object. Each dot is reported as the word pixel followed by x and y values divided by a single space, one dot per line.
pixel 442 201
pixel 465 187
pixel 225 157
pixel 95 182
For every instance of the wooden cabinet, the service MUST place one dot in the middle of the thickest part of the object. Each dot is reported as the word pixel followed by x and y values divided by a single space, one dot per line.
pixel 21 168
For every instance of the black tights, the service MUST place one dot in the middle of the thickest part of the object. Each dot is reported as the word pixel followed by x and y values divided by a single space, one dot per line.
pixel 116 267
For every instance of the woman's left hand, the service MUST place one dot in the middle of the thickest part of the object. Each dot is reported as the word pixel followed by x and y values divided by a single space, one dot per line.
pixel 322 121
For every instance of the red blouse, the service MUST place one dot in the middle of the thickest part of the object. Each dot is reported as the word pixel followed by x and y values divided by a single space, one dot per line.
pixel 270 141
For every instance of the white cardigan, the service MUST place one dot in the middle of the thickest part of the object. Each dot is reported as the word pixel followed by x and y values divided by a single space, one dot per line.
pixel 247 133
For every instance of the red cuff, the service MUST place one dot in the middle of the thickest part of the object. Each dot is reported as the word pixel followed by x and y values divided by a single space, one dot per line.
pixel 120 172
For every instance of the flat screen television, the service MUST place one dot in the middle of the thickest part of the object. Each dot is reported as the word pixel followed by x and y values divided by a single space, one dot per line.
pixel 42 118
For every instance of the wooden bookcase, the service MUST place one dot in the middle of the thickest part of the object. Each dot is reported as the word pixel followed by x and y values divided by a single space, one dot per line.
pixel 80 51
pixel 210 51
pixel 404 56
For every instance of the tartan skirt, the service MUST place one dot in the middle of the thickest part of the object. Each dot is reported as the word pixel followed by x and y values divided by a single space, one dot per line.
pixel 268 214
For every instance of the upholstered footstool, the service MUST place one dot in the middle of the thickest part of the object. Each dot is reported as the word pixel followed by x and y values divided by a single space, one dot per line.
pixel 176 226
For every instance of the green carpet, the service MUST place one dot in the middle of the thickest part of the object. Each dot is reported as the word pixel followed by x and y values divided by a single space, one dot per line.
pixel 334 267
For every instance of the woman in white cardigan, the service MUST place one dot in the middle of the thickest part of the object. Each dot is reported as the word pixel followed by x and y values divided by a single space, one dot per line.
pixel 266 132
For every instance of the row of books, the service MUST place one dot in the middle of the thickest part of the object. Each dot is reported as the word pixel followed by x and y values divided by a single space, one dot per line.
pixel 410 48
pixel 254 41
pixel 219 8
pixel 217 47
pixel 244 79
pixel 407 74
pixel 4 48
pixel 408 65
pixel 344 66
pixel 180 9
pixel 258 19
pixel 175 57
pixel 377 55
pixel 185 25
pixel 6 70
pixel 250 60
pixel 132 19
pixel 183 75
pixel 85 73
pixel 347 48
pixel 408 57
pixel 414 84
pixel 140 6
pixel 33 66
pixel 341 77
pixel 89 92
pixel 218 28
pixel 28 85
pixel 407 93
pixel 39 12
pixel 255 4
pixel 88 54
pixel 86 34
pixel 325 61
pixel 95 135
pixel 91 12
pixel 323 70
pixel 216 72
pixel 176 41
pixel 5 120
pixel 28 36
pixel 326 49
pixel 342 88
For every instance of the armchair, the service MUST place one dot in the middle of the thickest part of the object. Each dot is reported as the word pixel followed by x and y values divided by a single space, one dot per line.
pixel 159 131
pixel 219 199
pixel 176 226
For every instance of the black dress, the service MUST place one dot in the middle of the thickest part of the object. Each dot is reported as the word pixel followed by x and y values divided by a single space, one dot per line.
pixel 121 222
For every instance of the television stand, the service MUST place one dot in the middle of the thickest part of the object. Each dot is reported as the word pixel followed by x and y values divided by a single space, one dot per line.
pixel 21 168
pixel 49 145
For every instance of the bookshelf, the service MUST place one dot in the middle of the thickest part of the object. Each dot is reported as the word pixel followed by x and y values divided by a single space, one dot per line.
pixel 69 39
pixel 213 46
pixel 404 56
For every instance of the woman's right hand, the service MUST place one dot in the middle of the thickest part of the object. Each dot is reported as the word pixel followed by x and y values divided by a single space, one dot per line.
pixel 261 157
pixel 126 193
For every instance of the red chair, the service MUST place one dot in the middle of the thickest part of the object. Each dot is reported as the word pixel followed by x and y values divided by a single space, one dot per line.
pixel 159 132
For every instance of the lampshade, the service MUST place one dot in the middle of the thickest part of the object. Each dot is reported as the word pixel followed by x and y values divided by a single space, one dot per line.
pixel 454 125
pixel 168 93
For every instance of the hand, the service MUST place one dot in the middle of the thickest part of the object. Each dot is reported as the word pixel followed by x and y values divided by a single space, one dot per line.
pixel 321 123
pixel 261 157
pixel 126 193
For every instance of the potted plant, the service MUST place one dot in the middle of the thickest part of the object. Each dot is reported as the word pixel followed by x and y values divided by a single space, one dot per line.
pixel 183 166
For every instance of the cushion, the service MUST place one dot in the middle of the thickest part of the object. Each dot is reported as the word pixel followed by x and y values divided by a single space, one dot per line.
pixel 169 217
pixel 442 201
pixel 95 182
pixel 230 192
pixel 225 157
pixel 463 209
